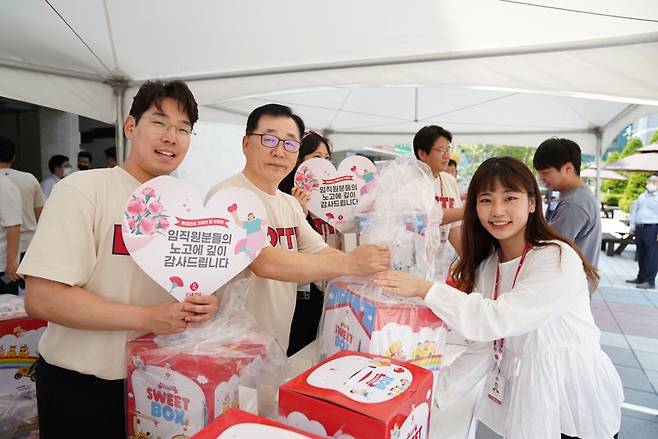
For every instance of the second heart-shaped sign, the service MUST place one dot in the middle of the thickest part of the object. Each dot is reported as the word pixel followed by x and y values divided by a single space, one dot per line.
pixel 336 193
pixel 187 248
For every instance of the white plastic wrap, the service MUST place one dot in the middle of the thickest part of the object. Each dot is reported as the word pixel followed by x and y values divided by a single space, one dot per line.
pixel 358 315
pixel 404 215
pixel 11 307
pixel 178 383
pixel 15 411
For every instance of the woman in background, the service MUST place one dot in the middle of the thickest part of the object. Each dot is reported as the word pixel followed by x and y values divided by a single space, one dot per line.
pixel 310 297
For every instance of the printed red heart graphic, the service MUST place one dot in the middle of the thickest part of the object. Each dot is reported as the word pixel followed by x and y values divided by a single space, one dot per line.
pixel 232 208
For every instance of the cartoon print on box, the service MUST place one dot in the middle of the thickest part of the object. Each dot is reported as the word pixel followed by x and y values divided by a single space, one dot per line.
pixel 336 194
pixel 362 379
pixel 18 355
pixel 414 426
pixel 186 247
pixel 166 402
pixel 226 395
pixel 365 323
pixel 403 343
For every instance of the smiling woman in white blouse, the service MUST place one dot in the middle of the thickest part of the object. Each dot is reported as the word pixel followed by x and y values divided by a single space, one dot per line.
pixel 527 310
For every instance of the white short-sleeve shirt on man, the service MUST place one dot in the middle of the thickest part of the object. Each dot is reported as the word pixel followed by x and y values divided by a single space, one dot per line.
pixel 271 302
pixel 81 224
pixel 10 214
pixel 31 198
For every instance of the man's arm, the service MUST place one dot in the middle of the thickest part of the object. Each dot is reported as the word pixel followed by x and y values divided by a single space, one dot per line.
pixel 288 266
pixel 77 308
pixel 455 238
pixel 37 212
pixel 632 219
pixel 452 215
pixel 13 245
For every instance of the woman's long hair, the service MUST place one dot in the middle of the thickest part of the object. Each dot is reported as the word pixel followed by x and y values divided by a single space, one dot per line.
pixel 478 243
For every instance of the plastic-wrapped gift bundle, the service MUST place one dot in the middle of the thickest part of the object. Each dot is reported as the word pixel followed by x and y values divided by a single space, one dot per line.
pixel 357 314
pixel 19 340
pixel 177 384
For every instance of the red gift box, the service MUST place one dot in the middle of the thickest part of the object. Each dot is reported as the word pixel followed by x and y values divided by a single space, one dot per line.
pixel 237 424
pixel 356 320
pixel 360 395
pixel 172 393
pixel 19 343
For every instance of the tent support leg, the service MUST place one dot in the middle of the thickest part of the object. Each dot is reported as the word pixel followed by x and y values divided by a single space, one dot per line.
pixel 119 92
pixel 599 153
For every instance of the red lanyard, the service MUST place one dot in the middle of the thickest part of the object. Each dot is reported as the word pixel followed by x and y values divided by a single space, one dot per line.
pixel 441 183
pixel 498 344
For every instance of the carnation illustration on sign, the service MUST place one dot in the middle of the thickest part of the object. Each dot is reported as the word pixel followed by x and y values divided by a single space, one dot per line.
pixel 145 213
pixel 190 249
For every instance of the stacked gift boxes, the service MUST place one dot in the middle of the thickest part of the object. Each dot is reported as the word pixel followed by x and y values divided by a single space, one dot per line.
pixel 19 341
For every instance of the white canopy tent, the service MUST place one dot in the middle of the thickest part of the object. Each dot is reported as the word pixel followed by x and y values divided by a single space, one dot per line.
pixel 368 72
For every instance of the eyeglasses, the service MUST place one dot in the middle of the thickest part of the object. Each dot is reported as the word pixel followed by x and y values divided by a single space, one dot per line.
pixel 270 141
pixel 450 148
pixel 162 128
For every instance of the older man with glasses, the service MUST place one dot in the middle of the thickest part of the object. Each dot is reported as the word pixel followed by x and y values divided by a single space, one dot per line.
pixel 298 254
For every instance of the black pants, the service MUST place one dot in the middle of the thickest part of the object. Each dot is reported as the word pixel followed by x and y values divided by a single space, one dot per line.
pixel 305 321
pixel 647 252
pixel 11 287
pixel 72 404
pixel 564 436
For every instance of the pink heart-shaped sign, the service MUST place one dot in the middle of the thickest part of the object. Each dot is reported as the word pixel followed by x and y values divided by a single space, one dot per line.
pixel 336 194
pixel 187 248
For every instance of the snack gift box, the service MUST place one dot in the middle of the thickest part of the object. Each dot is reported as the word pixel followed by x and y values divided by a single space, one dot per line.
pixel 238 424
pixel 358 317
pixel 175 394
pixel 19 340
pixel 362 396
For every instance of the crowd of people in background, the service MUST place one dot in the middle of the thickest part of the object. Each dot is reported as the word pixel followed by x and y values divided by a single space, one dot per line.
pixel 21 202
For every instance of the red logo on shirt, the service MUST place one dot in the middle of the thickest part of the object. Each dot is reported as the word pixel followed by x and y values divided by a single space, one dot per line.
pixel 118 246
pixel 446 202
pixel 283 236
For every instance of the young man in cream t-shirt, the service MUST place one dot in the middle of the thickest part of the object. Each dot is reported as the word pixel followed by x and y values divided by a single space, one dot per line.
pixel 298 253
pixel 93 295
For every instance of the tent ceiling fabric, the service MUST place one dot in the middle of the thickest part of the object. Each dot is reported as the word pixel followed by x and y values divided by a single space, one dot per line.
pixel 498 68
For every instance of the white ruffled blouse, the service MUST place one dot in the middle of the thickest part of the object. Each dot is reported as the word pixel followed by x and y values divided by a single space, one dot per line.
pixel 559 379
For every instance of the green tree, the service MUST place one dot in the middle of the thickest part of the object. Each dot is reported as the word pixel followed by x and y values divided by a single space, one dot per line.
pixel 634 188
pixel 654 138
pixel 624 187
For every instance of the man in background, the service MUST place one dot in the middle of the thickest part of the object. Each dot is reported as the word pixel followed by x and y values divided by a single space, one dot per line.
pixel 576 214
pixel 59 167
pixel 84 160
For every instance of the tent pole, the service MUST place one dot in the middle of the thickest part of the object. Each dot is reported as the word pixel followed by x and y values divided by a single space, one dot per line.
pixel 599 153
pixel 119 91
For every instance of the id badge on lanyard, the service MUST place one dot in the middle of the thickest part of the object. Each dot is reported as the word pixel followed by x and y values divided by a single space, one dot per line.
pixel 498 382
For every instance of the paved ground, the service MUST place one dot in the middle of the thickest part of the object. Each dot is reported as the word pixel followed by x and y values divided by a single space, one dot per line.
pixel 628 319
